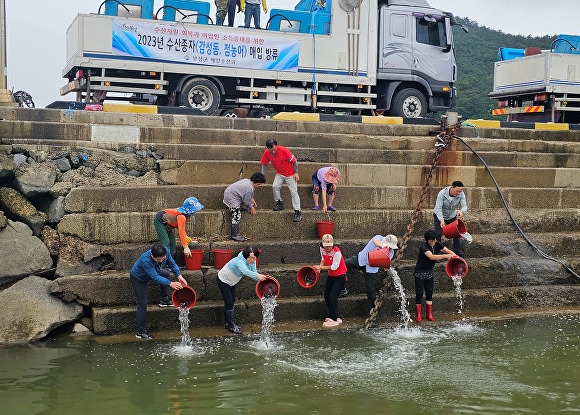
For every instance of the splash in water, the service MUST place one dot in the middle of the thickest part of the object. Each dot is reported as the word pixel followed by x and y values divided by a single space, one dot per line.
pixel 457 280
pixel 405 316
pixel 467 236
pixel 184 320
pixel 268 305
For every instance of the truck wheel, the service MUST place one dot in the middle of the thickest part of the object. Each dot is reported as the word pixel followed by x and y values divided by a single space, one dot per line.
pixel 409 103
pixel 201 94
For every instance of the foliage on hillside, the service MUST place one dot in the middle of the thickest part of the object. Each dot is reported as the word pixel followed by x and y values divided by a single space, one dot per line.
pixel 476 53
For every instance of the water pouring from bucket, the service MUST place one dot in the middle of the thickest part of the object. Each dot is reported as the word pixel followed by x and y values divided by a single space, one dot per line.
pixel 267 291
pixel 184 299
pixel 456 269
pixel 457 229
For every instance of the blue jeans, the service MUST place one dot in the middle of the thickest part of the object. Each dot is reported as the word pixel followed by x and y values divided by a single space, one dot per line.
pixel 252 10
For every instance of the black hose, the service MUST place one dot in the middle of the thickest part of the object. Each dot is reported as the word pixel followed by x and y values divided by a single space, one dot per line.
pixel 538 250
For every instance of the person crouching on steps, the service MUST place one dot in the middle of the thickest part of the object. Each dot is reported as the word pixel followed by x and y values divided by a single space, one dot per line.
pixel 332 261
pixel 429 254
pixel 238 193
pixel 229 276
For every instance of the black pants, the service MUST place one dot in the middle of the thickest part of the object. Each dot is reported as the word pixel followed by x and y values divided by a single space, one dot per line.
pixel 370 279
pixel 232 11
pixel 334 286
pixel 456 241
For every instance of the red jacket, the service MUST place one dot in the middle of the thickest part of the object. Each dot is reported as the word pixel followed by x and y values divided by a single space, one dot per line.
pixel 328 259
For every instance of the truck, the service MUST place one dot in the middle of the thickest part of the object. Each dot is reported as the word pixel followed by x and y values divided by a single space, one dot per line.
pixel 330 56
pixel 537 85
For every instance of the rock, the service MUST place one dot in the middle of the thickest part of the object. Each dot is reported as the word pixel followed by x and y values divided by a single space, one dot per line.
pixel 78 257
pixel 62 164
pixel 54 209
pixel 18 208
pixel 3 220
pixel 34 180
pixel 23 253
pixel 7 166
pixel 28 312
pixel 51 240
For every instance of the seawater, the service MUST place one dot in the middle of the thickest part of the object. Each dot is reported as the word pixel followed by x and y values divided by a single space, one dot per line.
pixel 504 365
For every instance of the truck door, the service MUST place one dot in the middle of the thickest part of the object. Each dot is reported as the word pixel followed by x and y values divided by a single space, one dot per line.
pixel 433 54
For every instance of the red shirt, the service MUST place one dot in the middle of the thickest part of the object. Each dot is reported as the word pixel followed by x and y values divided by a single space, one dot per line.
pixel 328 258
pixel 283 161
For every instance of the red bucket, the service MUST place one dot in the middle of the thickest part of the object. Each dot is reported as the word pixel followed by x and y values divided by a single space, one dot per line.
pixel 186 297
pixel 456 266
pixel 454 229
pixel 380 258
pixel 268 287
pixel 324 228
pixel 193 262
pixel 307 276
pixel 221 257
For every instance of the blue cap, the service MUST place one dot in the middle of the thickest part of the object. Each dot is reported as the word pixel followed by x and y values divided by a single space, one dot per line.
pixel 191 205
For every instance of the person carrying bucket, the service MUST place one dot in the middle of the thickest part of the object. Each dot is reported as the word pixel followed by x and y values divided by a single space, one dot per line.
pixel 165 222
pixel 238 193
pixel 229 276
pixel 446 212
pixel 430 252
pixel 151 267
pixel 333 262
pixel 361 261
pixel 324 180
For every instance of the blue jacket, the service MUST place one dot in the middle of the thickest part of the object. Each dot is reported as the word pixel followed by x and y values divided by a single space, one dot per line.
pixel 145 269
pixel 240 267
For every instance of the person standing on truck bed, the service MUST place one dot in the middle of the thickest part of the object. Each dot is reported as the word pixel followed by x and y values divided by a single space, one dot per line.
pixel 251 8
pixel 221 8
pixel 232 11
pixel 286 167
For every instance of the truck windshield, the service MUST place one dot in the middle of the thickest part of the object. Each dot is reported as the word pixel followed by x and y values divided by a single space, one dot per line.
pixel 431 32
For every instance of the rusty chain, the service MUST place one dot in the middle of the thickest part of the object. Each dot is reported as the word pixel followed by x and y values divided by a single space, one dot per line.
pixel 443 140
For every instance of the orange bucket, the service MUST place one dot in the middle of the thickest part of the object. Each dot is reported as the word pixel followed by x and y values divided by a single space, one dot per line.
pixel 186 297
pixel 221 257
pixel 380 258
pixel 193 262
pixel 456 266
pixel 454 229
pixel 324 228
pixel 307 276
pixel 268 287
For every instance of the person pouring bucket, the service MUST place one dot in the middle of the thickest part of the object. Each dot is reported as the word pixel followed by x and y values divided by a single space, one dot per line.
pixel 165 222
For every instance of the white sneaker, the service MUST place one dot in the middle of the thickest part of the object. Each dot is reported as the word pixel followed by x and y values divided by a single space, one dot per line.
pixel 330 323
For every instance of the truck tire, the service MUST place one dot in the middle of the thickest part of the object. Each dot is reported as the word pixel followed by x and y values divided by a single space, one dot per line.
pixel 201 94
pixel 409 103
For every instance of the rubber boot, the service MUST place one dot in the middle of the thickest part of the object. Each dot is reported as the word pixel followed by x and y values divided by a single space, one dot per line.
pixel 418 310
pixel 236 233
pixel 430 312
pixel 232 326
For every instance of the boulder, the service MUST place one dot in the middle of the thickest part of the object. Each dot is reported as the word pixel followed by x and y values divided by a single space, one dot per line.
pixel 18 208
pixel 7 166
pixel 22 253
pixel 28 312
pixel 79 257
pixel 34 180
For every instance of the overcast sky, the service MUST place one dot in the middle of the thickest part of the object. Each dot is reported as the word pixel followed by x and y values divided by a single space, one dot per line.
pixel 36 32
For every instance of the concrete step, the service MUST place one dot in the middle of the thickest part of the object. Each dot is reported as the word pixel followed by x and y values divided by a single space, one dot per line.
pixel 125 199
pixel 111 320
pixel 196 172
pixel 137 227
pixel 388 150
pixel 292 254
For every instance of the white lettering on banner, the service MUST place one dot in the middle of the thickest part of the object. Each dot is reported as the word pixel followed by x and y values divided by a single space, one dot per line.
pixel 163 42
